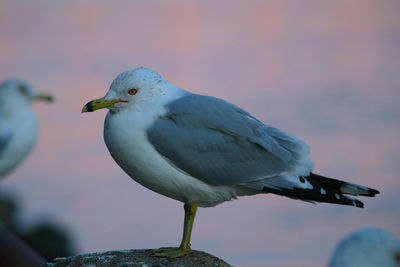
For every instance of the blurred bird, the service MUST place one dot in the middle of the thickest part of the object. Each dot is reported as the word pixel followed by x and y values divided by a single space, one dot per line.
pixel 202 150
pixel 369 247
pixel 18 123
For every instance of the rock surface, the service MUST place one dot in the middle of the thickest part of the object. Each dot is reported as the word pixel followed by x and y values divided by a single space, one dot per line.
pixel 136 258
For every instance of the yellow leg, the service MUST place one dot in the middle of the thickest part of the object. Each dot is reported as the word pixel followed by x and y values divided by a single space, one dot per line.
pixel 190 213
pixel 184 248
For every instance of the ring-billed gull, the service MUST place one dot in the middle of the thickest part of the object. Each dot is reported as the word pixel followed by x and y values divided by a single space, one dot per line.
pixel 202 150
pixel 367 247
pixel 18 123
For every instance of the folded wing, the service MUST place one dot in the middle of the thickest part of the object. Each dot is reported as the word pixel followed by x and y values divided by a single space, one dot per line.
pixel 221 144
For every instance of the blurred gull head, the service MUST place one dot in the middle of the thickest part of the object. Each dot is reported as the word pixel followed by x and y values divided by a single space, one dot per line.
pixel 367 247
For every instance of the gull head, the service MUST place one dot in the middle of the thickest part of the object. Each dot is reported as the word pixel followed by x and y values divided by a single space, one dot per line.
pixel 19 92
pixel 131 89
pixel 367 247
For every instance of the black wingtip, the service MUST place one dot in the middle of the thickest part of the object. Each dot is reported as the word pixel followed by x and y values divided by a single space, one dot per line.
pixel 373 192
pixel 358 203
pixel 370 193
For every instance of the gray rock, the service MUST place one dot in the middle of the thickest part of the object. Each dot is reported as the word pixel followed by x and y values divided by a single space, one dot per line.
pixel 137 258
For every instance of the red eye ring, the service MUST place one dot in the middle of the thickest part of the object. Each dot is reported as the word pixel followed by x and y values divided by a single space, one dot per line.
pixel 132 91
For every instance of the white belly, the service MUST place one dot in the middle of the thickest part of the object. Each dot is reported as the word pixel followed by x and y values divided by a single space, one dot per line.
pixel 126 139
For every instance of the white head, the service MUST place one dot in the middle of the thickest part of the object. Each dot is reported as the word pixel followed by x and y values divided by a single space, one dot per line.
pixel 367 247
pixel 18 93
pixel 132 89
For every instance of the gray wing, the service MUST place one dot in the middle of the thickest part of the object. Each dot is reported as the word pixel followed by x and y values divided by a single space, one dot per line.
pixel 5 135
pixel 221 144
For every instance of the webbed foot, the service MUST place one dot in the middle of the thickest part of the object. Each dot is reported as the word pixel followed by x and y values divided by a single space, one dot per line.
pixel 170 252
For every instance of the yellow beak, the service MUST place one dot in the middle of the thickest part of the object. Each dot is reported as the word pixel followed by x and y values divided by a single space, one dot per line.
pixel 99 104
pixel 43 97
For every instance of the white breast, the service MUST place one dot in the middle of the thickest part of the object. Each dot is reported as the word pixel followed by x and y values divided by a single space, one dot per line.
pixel 23 128
pixel 126 139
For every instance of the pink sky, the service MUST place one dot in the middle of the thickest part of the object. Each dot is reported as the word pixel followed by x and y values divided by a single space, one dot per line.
pixel 327 72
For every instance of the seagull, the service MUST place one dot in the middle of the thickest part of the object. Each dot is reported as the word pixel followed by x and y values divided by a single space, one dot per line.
pixel 202 151
pixel 18 123
pixel 367 247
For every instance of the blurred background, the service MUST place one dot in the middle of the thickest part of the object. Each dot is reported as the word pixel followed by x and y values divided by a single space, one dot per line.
pixel 326 71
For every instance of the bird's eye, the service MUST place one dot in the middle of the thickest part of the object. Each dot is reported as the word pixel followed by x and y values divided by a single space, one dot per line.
pixel 132 91
pixel 23 90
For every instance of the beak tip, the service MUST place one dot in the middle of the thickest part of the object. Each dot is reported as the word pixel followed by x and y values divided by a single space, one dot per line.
pixel 97 104
pixel 86 109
